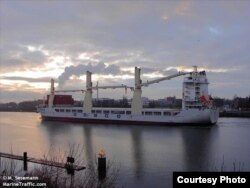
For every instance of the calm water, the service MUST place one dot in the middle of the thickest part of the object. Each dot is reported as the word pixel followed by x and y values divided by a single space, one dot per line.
pixel 147 155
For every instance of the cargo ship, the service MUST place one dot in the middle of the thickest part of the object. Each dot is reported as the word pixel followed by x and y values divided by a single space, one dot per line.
pixel 197 105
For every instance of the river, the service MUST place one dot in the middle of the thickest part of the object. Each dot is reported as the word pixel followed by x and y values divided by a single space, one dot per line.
pixel 146 155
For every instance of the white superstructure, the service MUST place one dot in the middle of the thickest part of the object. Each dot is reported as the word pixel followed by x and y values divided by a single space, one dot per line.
pixel 194 87
pixel 197 107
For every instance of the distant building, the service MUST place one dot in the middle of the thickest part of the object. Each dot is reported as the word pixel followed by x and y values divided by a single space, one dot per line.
pixel 170 100
pixel 145 102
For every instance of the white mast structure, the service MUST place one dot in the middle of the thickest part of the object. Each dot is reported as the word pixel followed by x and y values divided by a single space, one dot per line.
pixel 87 103
pixel 137 102
pixel 52 93
pixel 87 107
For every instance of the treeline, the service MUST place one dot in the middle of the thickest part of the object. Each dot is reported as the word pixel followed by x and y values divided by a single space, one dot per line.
pixel 238 103
pixel 120 103
pixel 25 106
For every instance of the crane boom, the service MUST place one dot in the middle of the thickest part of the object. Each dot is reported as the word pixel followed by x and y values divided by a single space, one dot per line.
pixel 112 87
pixel 74 90
pixel 95 88
pixel 146 84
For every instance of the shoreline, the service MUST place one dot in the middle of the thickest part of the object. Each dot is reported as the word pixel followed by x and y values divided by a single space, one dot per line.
pixel 245 114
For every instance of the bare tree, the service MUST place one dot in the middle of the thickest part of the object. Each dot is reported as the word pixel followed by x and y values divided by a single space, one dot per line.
pixel 55 177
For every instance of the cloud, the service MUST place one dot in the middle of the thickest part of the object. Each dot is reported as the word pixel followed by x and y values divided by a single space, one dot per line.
pixel 213 30
pixel 48 37
pixel 18 57
pixel 183 8
pixel 81 69
pixel 28 79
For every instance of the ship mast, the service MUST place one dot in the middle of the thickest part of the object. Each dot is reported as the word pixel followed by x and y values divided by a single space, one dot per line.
pixel 87 107
pixel 87 103
pixel 52 93
pixel 136 102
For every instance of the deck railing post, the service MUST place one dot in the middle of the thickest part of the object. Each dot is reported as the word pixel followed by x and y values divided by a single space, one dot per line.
pixel 25 162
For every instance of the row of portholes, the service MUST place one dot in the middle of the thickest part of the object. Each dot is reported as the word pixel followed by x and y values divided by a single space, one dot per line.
pixel 106 116
pixel 95 115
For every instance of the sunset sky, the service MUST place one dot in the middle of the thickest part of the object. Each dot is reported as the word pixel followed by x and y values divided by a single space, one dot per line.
pixel 61 39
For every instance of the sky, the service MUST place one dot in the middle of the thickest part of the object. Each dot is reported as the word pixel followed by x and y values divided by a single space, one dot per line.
pixel 60 39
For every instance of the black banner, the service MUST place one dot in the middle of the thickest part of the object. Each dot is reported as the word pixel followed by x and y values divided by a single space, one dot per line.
pixel 211 179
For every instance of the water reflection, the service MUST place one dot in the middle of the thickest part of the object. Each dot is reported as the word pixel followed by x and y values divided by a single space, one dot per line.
pixel 148 154
pixel 195 142
pixel 87 132
pixel 132 134
pixel 53 130
pixel 197 147
pixel 144 152
pixel 137 147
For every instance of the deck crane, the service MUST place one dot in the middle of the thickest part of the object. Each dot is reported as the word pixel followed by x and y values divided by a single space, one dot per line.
pixel 96 88
pixel 73 90
pixel 146 84
pixel 137 102
pixel 88 93
pixel 112 87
